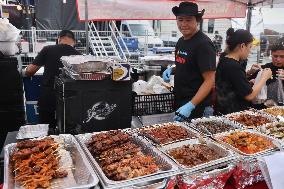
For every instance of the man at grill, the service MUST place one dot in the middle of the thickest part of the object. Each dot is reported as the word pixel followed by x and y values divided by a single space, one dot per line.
pixel 49 57
pixel 195 59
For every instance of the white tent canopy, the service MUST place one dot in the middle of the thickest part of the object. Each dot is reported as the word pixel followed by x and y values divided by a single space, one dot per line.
pixel 161 9
pixel 259 2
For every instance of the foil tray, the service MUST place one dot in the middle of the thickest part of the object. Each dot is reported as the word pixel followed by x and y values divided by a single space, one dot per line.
pixel 167 167
pixel 155 142
pixel 154 184
pixel 212 118
pixel 228 155
pixel 86 76
pixel 263 129
pixel 256 112
pixel 267 151
pixel 80 172
pixel 271 108
pixel 209 179
pixel 32 131
pixel 81 63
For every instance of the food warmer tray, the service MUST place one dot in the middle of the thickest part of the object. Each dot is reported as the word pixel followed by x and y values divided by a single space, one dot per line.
pixel 155 142
pixel 228 155
pixel 251 112
pixel 267 151
pixel 168 169
pixel 212 118
pixel 82 174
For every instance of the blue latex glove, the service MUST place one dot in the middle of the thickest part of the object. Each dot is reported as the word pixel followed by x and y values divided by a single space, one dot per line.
pixel 167 74
pixel 185 111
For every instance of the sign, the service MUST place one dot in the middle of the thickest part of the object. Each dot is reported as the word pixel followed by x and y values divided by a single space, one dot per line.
pixel 154 9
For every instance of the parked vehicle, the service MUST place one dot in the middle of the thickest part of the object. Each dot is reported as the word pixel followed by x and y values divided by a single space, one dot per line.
pixel 143 31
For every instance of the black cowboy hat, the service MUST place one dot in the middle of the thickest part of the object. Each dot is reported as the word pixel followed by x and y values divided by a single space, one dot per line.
pixel 187 9
pixel 67 33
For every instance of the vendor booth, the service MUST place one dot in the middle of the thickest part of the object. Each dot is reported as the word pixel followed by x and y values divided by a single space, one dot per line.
pixel 96 143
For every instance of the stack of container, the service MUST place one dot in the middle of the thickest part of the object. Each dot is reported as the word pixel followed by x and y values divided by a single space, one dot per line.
pixel 32 90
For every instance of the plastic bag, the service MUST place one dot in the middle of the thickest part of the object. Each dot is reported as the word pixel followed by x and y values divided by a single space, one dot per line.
pixel 155 80
pixel 159 89
pixel 8 32
pixel 262 95
pixel 140 87
pixel 8 48
pixel 275 92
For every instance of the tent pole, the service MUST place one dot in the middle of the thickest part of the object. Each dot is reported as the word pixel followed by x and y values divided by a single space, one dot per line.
pixel 87 27
pixel 249 15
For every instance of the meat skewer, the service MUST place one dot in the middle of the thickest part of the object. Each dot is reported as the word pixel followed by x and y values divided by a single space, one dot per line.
pixel 36 163
pixel 119 156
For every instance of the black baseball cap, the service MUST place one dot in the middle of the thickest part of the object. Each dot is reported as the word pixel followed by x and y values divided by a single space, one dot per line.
pixel 67 33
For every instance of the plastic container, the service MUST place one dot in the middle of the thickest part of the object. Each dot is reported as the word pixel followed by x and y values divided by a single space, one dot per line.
pixel 152 104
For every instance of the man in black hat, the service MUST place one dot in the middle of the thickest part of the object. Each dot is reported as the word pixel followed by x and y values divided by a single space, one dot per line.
pixel 49 57
pixel 195 59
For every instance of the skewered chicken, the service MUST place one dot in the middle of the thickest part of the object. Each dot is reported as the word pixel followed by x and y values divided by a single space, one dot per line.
pixel 36 162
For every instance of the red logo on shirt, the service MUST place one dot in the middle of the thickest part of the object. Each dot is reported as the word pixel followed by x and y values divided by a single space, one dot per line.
pixel 180 60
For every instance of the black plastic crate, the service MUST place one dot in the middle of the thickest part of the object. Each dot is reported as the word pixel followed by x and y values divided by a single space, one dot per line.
pixel 152 104
pixel 89 106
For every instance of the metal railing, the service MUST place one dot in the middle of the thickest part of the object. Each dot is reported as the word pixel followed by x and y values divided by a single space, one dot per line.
pixel 115 31
pixel 32 41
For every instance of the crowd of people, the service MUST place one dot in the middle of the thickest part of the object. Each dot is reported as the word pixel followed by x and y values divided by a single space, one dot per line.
pixel 197 73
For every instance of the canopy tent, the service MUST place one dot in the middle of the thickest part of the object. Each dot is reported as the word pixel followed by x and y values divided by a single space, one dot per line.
pixel 99 10
pixel 161 9
pixel 259 2
pixel 153 9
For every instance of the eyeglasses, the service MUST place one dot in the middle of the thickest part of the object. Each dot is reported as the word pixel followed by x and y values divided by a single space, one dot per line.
pixel 276 56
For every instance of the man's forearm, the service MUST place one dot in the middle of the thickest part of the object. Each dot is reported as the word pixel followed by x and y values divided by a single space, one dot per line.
pixel 31 69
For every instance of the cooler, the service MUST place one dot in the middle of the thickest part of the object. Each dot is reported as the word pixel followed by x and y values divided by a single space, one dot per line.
pixel 89 106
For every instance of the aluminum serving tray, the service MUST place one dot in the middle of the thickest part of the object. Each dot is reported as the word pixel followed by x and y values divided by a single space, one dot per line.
pixel 263 129
pixel 256 112
pixel 228 155
pixel 275 142
pixel 278 107
pixel 167 167
pixel 79 63
pixel 155 142
pixel 230 123
pixel 82 174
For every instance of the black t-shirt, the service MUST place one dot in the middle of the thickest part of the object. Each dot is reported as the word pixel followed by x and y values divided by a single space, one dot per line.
pixel 49 57
pixel 193 57
pixel 274 72
pixel 243 63
pixel 272 84
pixel 232 86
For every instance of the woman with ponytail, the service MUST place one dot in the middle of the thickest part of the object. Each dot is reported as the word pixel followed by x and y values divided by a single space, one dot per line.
pixel 234 92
